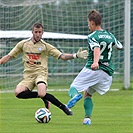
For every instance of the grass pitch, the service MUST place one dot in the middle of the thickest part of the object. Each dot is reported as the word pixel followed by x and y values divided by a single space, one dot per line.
pixel 112 114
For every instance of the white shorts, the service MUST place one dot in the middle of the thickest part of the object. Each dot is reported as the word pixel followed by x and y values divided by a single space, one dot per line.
pixel 92 81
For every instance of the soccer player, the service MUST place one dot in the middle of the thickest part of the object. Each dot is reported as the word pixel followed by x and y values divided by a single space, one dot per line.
pixel 96 76
pixel 35 52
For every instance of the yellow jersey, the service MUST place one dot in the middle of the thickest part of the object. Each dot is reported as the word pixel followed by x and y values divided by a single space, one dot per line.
pixel 35 56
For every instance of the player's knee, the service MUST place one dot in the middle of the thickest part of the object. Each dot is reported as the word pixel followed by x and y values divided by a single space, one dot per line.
pixel 41 94
pixel 41 89
pixel 18 90
pixel 86 94
pixel 17 93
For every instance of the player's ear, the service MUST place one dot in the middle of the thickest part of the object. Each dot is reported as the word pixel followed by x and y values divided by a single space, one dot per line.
pixel 92 22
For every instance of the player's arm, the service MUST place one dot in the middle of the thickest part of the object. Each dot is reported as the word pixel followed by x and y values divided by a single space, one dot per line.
pixel 12 54
pixel 118 45
pixel 66 56
pixel 96 53
pixel 80 54
pixel 5 59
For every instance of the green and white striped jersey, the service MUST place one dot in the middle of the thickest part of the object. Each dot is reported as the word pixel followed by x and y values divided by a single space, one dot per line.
pixel 106 41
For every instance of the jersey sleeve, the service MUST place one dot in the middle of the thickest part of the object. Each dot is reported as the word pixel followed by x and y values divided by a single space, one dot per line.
pixel 93 43
pixel 53 51
pixel 16 50
pixel 118 45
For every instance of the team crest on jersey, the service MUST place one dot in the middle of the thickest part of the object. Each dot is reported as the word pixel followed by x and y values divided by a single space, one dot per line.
pixel 39 49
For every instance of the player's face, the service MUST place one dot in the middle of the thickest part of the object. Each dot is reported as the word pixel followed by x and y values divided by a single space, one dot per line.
pixel 37 34
pixel 91 25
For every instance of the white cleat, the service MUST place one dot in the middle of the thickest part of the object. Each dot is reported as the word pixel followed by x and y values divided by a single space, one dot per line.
pixel 87 121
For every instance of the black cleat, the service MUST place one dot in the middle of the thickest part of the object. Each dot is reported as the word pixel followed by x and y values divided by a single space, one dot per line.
pixel 67 110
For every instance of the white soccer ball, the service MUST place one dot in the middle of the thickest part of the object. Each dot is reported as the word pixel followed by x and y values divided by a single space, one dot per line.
pixel 43 115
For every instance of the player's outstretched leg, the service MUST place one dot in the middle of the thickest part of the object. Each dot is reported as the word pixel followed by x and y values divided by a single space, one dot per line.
pixel 57 103
pixel 75 97
pixel 29 94
pixel 71 103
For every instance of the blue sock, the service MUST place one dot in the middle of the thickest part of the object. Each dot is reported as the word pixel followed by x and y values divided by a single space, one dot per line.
pixel 88 106
pixel 72 92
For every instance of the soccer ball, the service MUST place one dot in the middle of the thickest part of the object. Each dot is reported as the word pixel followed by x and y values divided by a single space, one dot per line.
pixel 43 115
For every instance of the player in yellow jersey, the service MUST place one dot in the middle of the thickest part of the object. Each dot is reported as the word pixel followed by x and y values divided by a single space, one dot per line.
pixel 35 54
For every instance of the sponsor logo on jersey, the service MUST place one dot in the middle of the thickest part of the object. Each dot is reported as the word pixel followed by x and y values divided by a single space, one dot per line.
pixel 34 56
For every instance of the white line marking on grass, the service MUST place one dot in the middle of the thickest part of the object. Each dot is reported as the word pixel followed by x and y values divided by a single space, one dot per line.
pixel 6 91
pixel 49 90
pixel 114 89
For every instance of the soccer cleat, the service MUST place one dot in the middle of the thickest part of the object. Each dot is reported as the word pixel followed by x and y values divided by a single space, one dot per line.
pixel 67 110
pixel 47 104
pixel 74 100
pixel 87 121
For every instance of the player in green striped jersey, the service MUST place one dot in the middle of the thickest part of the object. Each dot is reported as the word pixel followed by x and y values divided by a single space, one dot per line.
pixel 96 76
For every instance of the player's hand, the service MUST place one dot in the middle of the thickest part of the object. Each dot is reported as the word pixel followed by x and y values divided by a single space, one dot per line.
pixel 95 66
pixel 82 54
